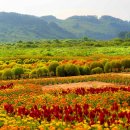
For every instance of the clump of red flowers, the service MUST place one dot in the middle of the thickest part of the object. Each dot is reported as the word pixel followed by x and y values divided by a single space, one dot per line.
pixel 70 114
pixel 8 86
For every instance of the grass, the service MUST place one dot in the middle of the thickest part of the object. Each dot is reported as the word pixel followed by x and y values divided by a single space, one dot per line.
pixel 64 51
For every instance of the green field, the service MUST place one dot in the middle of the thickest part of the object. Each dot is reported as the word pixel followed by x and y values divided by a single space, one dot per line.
pixel 64 48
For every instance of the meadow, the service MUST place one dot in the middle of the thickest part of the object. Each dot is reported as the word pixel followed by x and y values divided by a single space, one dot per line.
pixel 27 69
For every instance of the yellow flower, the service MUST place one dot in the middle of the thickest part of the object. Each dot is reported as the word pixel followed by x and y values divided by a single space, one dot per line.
pixel 115 128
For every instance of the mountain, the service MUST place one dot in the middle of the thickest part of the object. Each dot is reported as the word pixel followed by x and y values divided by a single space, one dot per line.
pixel 14 27
pixel 105 27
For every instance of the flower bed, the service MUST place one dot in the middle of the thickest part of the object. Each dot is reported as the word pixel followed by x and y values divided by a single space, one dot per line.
pixel 79 108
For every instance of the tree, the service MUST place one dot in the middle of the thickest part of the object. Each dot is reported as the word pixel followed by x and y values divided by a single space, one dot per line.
pixel 42 72
pixel 122 35
pixel 60 71
pixel 97 70
pixel 18 71
pixel 107 67
pixel 85 38
pixel 52 68
pixel 116 66
pixel 127 36
pixel 71 70
pixel 7 74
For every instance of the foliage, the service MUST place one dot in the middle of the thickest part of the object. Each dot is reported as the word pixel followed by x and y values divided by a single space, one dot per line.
pixel 52 67
pixel 33 74
pixel 30 107
pixel 116 66
pixel 97 70
pixel 84 70
pixel 18 71
pixel 71 70
pixel 125 63
pixel 42 72
pixel 60 71
pixel 7 74
pixel 107 67
pixel 96 64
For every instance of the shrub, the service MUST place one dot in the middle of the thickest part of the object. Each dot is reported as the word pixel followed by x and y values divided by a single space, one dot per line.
pixel 52 67
pixel 30 61
pixel 81 69
pixel 71 70
pixel 125 63
pixel 116 66
pixel 84 70
pixel 107 67
pixel 42 72
pixel 96 64
pixel 18 71
pixel 60 71
pixel 0 74
pixel 97 70
pixel 19 61
pixel 33 74
pixel 7 74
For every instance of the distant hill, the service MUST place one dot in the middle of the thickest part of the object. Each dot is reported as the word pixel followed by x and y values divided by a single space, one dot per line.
pixel 106 27
pixel 14 27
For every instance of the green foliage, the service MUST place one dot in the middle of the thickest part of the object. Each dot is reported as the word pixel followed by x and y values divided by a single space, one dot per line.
pixel 19 61
pixel 18 71
pixel 84 70
pixel 86 39
pixel 107 67
pixel 97 70
pixel 71 70
pixel 125 63
pixel 96 64
pixel 33 74
pixel 60 71
pixel 42 72
pixel 116 66
pixel 81 69
pixel 7 74
pixel 29 61
pixel 52 67
pixel 1 74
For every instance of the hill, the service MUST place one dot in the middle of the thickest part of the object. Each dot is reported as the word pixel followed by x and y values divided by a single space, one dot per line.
pixel 106 27
pixel 14 27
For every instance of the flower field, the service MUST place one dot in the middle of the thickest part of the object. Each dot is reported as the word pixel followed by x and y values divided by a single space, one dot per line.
pixel 29 107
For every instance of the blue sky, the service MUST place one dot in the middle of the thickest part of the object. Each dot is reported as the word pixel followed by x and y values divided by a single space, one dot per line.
pixel 65 8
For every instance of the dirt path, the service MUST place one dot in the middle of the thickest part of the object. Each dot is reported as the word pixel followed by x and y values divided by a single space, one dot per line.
pixel 77 85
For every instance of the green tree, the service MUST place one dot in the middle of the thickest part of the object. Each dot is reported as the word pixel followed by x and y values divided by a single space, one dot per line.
pixel 116 66
pixel 107 67
pixel 60 71
pixel 52 68
pixel 33 74
pixel 7 74
pixel 125 63
pixel 71 70
pixel 18 71
pixel 97 70
pixel 96 64
pixel 42 72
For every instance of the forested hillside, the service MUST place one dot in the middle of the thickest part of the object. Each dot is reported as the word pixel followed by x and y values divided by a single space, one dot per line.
pixel 14 27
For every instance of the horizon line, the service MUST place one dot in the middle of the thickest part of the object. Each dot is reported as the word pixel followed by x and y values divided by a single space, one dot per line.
pixel 98 17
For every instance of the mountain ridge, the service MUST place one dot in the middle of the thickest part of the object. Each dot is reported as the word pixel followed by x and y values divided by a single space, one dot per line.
pixel 15 26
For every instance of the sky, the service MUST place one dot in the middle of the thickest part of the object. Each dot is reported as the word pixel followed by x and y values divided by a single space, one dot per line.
pixel 66 8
